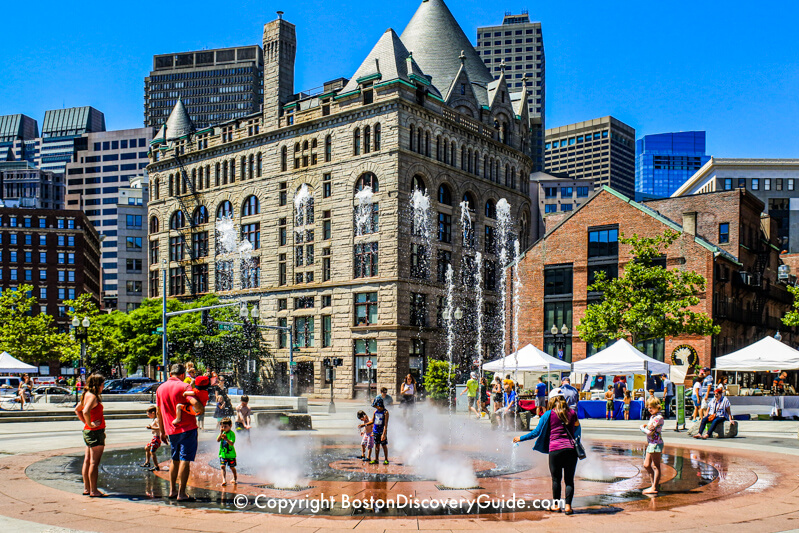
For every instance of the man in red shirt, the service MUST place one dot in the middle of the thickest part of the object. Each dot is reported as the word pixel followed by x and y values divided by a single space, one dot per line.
pixel 183 436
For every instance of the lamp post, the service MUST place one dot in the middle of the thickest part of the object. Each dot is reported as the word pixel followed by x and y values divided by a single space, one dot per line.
pixel 250 330
pixel 164 347
pixel 560 339
pixel 81 333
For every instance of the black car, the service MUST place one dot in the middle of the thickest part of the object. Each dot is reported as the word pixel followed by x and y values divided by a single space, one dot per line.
pixel 123 385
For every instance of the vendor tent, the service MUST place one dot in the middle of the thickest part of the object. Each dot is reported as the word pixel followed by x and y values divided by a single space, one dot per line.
pixel 620 358
pixel 766 354
pixel 530 359
pixel 11 365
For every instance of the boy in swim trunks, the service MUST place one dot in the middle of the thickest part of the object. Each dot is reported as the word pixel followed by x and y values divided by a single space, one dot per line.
pixel 380 431
pixel 151 449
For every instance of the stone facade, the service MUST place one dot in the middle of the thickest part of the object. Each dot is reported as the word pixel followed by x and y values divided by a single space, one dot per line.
pixel 390 132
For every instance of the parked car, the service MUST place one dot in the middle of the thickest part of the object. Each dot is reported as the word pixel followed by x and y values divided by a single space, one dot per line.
pixel 50 389
pixel 146 388
pixel 125 384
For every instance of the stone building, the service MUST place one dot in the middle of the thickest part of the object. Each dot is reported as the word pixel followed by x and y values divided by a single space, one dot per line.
pixel 293 178
pixel 723 238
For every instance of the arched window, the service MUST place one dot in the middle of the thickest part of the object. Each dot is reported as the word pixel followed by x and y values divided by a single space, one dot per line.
pixel 157 189
pixel 296 156
pixel 507 175
pixel 305 145
pixel 233 170
pixel 513 178
pixel 470 202
pixel 452 152
pixel 194 179
pixel 178 220
pixel 154 225
pixel 438 147
pixel 491 209
pixel 200 178
pixel 427 143
pixel 476 163
pixel 224 210
pixel 328 149
pixel 417 184
pixel 313 143
pixel 251 206
pixel 200 215
pixel 216 176
pixel 284 156
pixel 258 163
pixel 367 139
pixel 524 230
pixel 356 142
pixel 444 194
pixel 410 144
pixel 224 172
pixel 367 179
pixel 251 169
pixel 171 185
pixel 378 140
pixel 419 140
pixel 463 158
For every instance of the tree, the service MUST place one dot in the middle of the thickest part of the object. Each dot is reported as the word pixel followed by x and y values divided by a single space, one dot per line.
pixel 105 346
pixel 29 337
pixel 647 301
pixel 791 318
pixel 439 380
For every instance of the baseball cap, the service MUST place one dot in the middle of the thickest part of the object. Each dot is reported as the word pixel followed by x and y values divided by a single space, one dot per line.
pixel 378 402
pixel 473 375
pixel 554 393
pixel 706 368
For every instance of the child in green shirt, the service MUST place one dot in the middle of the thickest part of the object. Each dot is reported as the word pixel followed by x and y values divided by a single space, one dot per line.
pixel 227 451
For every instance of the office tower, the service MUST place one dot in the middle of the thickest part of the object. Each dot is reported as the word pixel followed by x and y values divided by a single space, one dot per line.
pixel 55 251
pixel 24 185
pixel 664 161
pixel 215 85
pixel 519 43
pixel 15 129
pixel 290 180
pixel 602 149
pixel 105 166
pixel 773 181
pixel 60 129
pixel 557 193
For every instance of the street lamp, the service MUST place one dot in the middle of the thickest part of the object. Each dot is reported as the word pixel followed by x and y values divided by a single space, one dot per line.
pixel 250 320
pixel 560 339
pixel 457 314
pixel 81 332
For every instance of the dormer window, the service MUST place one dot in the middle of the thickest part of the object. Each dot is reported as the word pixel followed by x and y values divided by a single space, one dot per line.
pixel 463 88
pixel 368 93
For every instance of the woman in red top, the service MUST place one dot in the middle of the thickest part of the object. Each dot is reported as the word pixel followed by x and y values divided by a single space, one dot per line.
pixel 90 412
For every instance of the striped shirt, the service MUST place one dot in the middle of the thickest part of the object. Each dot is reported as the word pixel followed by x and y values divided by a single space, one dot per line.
pixel 719 406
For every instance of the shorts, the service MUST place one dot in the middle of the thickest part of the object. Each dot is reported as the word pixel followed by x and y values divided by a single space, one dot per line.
pixel 227 462
pixel 626 407
pixel 654 448
pixel 368 440
pixel 94 437
pixel 496 398
pixel 184 445
pixel 472 400
pixel 609 406
pixel 376 437
pixel 155 443
pixel 541 401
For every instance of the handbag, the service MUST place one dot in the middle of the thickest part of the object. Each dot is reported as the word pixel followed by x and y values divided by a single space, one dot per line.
pixel 578 446
pixel 711 417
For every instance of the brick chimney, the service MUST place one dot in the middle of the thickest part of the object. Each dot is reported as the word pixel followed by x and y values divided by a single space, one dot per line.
pixel 689 223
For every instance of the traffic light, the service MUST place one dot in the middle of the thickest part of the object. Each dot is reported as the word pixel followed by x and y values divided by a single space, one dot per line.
pixel 159 368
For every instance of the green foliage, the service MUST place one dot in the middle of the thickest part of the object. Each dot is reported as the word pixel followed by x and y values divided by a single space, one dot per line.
pixel 105 346
pixel 647 301
pixel 439 380
pixel 791 318
pixel 31 338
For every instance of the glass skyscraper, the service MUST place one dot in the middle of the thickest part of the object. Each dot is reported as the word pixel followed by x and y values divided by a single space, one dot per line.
pixel 664 161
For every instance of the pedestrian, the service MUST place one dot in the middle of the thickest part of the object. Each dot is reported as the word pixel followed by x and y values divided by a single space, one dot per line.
pixel 471 393
pixel 496 395
pixel 24 391
pixel 569 392
pixel 718 412
pixel 408 392
pixel 379 423
pixel 619 388
pixel 367 437
pixel 555 435
pixel 540 397
pixel 151 448
pixel 182 437
pixel 654 443
pixel 197 388
pixel 610 404
pixel 388 401
pixel 90 412
pixel 227 450
pixel 224 407
pixel 243 413
pixel 510 405
pixel 628 400
pixel 705 390
pixel 668 394
pixel 483 400
pixel 695 388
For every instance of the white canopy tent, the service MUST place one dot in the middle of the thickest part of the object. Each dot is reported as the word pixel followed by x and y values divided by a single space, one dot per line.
pixel 12 365
pixel 620 358
pixel 766 354
pixel 530 359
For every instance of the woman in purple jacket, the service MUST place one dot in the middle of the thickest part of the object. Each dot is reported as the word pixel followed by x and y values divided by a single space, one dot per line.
pixel 557 428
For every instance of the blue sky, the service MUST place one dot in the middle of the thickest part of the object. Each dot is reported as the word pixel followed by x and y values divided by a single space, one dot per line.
pixel 725 67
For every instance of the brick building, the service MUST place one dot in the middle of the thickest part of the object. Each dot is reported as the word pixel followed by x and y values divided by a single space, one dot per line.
pixel 55 251
pixel 433 121
pixel 723 238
